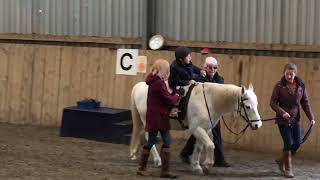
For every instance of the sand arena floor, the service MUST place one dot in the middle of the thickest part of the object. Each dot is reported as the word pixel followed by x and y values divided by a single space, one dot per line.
pixel 38 153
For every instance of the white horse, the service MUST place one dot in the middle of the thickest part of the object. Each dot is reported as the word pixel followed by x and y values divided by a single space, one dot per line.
pixel 216 99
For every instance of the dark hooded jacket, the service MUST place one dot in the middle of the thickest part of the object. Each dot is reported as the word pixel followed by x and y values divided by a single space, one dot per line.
pixel 216 79
pixel 181 74
pixel 159 104
pixel 282 101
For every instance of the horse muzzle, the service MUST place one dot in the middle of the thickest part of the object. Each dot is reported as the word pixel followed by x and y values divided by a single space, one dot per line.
pixel 256 125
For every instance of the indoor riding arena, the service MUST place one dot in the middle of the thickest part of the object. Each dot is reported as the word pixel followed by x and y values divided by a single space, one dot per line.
pixel 67 70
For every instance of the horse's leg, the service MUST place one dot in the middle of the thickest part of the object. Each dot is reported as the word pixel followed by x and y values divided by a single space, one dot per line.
pixel 195 158
pixel 203 139
pixel 209 145
pixel 154 152
pixel 135 144
pixel 138 132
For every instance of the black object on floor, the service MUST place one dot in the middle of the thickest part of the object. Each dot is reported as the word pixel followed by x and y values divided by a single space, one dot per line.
pixel 102 124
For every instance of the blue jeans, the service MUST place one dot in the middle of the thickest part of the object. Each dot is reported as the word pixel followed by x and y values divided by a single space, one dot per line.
pixel 152 139
pixel 291 136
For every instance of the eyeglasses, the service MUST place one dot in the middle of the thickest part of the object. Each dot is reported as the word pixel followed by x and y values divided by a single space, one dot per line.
pixel 212 67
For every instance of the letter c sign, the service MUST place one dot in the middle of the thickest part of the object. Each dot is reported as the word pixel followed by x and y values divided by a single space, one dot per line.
pixel 126 61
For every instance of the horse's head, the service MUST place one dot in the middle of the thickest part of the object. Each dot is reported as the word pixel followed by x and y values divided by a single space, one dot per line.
pixel 248 107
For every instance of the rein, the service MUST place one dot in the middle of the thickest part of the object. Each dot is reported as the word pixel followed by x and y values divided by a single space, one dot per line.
pixel 205 100
pixel 241 133
pixel 305 137
pixel 271 119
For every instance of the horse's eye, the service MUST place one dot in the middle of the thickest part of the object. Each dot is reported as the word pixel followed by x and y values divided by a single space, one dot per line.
pixel 248 107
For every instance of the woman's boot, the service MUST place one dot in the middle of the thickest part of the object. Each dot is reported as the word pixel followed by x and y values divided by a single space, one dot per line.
pixel 288 165
pixel 165 169
pixel 143 163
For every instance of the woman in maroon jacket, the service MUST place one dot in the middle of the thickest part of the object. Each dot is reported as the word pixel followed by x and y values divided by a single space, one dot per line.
pixel 288 94
pixel 159 105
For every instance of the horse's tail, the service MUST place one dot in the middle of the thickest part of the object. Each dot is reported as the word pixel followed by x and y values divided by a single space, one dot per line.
pixel 137 126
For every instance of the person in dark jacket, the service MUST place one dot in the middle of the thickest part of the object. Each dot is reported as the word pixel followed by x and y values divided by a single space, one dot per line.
pixel 211 68
pixel 159 104
pixel 288 94
pixel 182 71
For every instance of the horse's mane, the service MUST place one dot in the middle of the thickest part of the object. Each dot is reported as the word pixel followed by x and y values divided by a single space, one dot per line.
pixel 223 96
pixel 227 90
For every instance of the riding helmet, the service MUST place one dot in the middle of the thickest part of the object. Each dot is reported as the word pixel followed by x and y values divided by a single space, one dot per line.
pixel 182 52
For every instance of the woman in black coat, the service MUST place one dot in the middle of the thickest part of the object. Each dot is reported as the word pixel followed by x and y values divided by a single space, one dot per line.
pixel 211 68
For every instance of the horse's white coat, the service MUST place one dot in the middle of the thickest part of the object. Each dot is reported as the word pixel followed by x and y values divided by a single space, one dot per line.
pixel 221 99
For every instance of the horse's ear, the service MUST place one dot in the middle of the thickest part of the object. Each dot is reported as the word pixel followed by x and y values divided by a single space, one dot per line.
pixel 243 89
pixel 250 86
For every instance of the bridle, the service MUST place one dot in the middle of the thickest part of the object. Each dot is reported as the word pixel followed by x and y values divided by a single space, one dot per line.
pixel 245 116
pixel 240 106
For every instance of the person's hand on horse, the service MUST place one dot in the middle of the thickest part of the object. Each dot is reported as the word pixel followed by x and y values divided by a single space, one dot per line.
pixel 180 91
pixel 192 82
pixel 174 112
pixel 203 73
pixel 312 122
pixel 178 102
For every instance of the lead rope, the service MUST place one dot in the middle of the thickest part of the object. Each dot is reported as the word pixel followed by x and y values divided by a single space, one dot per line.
pixel 205 100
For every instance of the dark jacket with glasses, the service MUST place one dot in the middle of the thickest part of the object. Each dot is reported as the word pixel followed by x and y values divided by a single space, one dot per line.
pixel 216 131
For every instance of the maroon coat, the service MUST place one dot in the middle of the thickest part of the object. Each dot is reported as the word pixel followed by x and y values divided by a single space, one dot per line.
pixel 159 104
pixel 283 101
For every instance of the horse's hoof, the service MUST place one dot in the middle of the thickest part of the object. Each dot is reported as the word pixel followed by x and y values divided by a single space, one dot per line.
pixel 157 163
pixel 198 172
pixel 133 157
pixel 205 170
